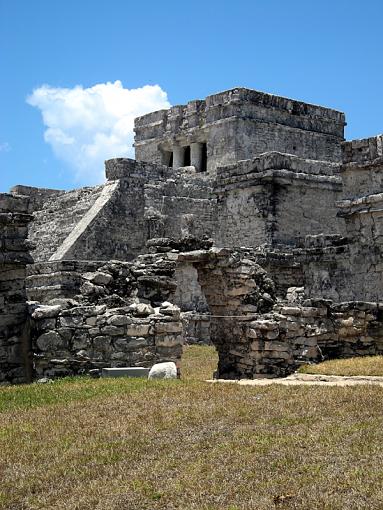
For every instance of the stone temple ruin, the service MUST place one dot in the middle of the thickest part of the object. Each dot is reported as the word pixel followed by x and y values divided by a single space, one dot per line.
pixel 246 221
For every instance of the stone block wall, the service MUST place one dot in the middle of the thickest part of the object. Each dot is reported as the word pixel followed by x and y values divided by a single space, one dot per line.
pixel 55 216
pixel 350 268
pixel 77 339
pixel 279 342
pixel 103 314
pixel 362 151
pixel 179 206
pixel 362 169
pixel 140 201
pixel 196 328
pixel 276 199
pixel 37 197
pixel 14 256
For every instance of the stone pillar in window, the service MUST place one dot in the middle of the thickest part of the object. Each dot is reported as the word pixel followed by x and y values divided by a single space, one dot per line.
pixel 178 156
pixel 196 155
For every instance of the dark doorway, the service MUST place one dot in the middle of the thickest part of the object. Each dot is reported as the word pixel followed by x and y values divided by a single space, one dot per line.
pixel 204 158
pixel 187 156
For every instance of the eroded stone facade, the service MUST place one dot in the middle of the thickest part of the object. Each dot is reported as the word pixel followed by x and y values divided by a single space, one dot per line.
pixel 14 257
pixel 246 221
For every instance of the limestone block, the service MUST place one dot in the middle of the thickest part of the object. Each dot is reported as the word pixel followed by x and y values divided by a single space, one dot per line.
pixel 131 344
pixel 271 335
pixel 267 325
pixel 141 309
pixel 166 370
pixel 276 346
pixel 50 341
pixel 118 355
pixel 65 333
pixel 138 329
pixel 80 342
pixel 101 343
pixel 168 327
pixel 125 372
pixel 71 321
pixel 168 340
pixel 252 333
pixel 167 308
pixel 98 278
pixel 119 320
pixel 112 330
pixel 46 311
pixel 91 321
pixel 88 288
pixel 291 310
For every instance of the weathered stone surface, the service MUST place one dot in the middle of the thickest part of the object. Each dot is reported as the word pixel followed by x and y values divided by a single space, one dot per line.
pixel 50 341
pixel 163 371
pixel 15 364
pixel 125 372
pixel 246 222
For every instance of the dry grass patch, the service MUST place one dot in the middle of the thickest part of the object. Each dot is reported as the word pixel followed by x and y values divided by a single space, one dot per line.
pixel 199 362
pixel 190 445
pixel 364 365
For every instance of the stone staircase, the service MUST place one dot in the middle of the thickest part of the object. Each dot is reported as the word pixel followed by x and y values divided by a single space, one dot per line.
pixel 60 214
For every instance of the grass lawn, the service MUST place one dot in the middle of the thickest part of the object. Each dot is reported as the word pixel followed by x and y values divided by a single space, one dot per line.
pixel 83 444
pixel 364 365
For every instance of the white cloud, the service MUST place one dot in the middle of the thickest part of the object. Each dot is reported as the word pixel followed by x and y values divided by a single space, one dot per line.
pixel 85 126
pixel 5 147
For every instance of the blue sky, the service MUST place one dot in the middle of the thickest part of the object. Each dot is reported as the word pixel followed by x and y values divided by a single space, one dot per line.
pixel 324 52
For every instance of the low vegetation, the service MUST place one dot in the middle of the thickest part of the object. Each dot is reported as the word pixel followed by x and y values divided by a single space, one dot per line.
pixel 84 444
pixel 364 365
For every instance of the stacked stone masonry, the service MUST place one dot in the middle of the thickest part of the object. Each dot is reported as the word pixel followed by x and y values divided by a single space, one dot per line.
pixel 14 256
pixel 246 221
pixel 110 314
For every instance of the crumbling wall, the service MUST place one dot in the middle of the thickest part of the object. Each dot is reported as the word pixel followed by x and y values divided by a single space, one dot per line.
pixel 76 339
pixel 236 289
pixel 114 314
pixel 37 197
pixel 350 267
pixel 291 335
pixel 14 256
pixel 362 169
pixel 259 332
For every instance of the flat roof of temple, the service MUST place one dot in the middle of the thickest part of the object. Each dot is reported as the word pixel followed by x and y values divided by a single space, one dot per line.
pixel 242 95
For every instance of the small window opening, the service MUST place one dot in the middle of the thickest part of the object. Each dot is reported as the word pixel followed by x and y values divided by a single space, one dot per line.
pixel 204 158
pixel 187 156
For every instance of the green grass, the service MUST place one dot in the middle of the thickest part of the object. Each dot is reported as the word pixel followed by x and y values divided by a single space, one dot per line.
pixel 84 444
pixel 364 365
pixel 198 363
